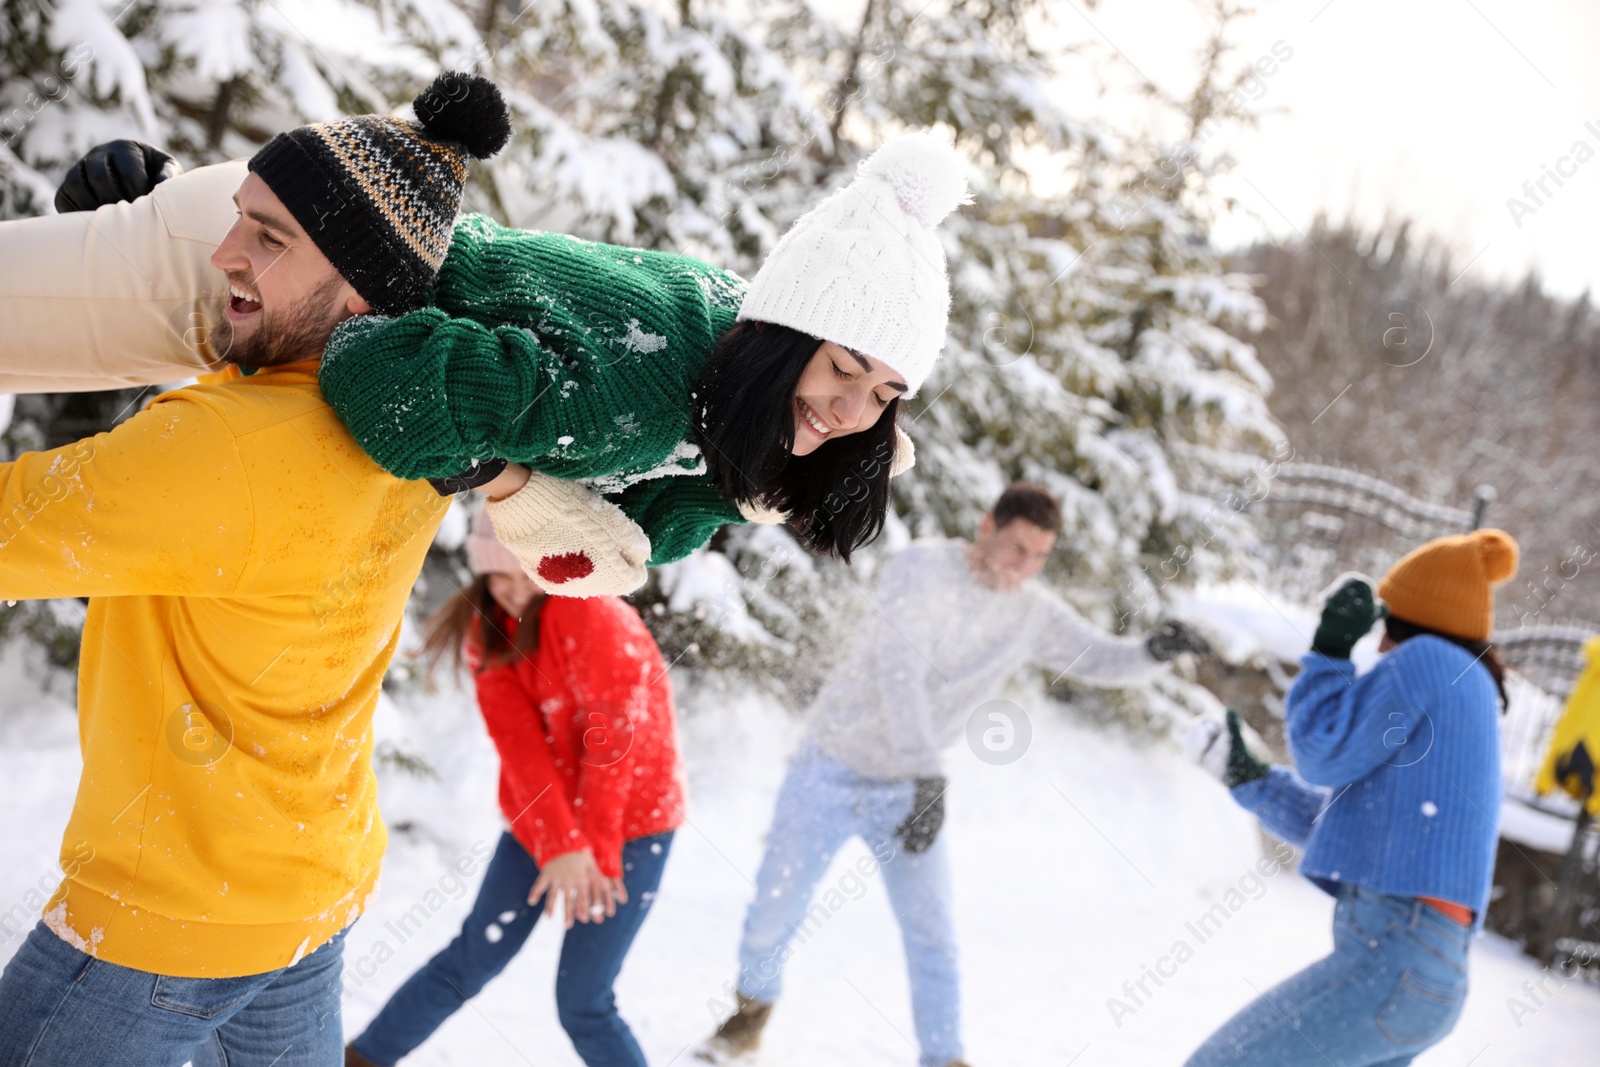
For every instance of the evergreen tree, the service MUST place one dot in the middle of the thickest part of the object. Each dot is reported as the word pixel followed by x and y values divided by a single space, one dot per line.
pixel 1095 335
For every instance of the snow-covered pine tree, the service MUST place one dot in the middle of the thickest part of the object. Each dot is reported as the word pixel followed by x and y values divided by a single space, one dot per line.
pixel 205 79
pixel 69 77
pixel 1094 337
pixel 1188 390
pixel 669 129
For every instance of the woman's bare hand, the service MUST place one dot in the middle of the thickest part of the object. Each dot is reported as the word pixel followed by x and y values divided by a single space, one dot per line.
pixel 575 879
pixel 508 481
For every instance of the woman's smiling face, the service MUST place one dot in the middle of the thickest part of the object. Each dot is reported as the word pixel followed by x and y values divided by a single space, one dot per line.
pixel 841 392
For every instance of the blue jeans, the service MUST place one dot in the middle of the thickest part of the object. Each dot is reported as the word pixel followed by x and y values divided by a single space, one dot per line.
pixel 823 804
pixel 60 1007
pixel 1393 986
pixel 591 959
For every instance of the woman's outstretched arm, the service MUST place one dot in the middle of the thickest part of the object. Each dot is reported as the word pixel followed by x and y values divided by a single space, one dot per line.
pixel 125 295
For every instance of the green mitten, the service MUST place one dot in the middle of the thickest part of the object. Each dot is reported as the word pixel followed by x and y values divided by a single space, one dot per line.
pixel 1242 765
pixel 1346 615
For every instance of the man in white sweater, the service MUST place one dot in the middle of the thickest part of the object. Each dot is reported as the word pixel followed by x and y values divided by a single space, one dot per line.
pixel 951 622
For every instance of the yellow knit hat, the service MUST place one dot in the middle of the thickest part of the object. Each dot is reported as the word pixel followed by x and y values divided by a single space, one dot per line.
pixel 1448 583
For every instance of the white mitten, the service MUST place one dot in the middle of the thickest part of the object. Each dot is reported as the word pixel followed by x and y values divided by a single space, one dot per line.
pixel 1207 744
pixel 571 540
pixel 1225 749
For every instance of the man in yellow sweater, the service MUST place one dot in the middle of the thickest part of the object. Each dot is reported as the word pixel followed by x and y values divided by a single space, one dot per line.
pixel 247 567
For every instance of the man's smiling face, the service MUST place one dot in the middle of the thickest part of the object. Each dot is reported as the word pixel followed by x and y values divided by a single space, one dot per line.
pixel 285 298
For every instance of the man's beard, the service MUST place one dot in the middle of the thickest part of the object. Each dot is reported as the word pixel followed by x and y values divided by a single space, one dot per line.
pixel 299 333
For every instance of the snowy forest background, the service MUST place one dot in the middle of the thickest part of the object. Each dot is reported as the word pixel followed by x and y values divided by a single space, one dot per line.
pixel 1101 343
pixel 1098 340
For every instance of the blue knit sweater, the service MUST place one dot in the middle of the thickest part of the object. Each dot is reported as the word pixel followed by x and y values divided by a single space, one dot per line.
pixel 1398 789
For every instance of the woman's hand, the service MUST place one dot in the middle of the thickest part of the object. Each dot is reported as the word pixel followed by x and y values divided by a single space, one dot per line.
pixel 1347 614
pixel 508 481
pixel 113 172
pixel 575 878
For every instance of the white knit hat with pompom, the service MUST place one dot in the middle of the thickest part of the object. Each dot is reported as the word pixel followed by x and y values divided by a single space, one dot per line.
pixel 864 268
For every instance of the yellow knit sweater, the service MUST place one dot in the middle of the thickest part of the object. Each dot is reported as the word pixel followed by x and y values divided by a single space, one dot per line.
pixel 247 567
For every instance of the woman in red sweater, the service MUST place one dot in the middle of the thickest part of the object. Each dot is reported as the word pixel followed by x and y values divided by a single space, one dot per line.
pixel 577 700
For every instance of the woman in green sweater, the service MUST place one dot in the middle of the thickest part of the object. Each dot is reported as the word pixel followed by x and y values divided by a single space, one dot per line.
pixel 645 399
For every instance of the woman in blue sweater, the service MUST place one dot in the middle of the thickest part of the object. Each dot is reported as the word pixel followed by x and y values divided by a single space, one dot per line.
pixel 1395 798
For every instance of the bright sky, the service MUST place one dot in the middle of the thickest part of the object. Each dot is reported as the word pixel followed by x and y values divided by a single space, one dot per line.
pixel 1435 109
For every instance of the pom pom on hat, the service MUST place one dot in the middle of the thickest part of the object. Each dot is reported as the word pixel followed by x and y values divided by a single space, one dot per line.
pixel 865 268
pixel 1500 554
pixel 466 109
pixel 926 174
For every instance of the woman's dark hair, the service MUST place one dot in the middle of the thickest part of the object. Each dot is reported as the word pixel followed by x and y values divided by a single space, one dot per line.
pixel 837 496
pixel 1399 631
pixel 446 631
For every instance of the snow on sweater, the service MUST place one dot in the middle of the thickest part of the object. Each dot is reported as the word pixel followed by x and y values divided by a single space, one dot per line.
pixel 935 645
pixel 1398 789
pixel 572 357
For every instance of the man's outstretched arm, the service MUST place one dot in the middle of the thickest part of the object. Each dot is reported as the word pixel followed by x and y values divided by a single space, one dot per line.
pixel 1066 642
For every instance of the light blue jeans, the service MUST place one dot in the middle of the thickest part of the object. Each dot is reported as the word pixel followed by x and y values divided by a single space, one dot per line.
pixel 1393 986
pixel 60 1007
pixel 823 804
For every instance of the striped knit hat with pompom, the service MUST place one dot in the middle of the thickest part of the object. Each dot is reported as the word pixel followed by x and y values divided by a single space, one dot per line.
pixel 864 268
pixel 1448 583
pixel 379 195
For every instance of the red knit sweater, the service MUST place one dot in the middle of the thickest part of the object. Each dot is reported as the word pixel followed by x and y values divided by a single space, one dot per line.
pixel 586 733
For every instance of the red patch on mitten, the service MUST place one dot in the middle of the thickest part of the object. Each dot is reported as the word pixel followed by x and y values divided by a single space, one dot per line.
pixel 565 567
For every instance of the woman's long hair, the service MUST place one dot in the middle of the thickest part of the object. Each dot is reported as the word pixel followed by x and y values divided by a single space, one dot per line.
pixel 445 633
pixel 1399 631
pixel 837 496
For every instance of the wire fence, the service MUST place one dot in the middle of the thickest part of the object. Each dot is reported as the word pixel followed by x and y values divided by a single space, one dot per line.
pixel 1325 520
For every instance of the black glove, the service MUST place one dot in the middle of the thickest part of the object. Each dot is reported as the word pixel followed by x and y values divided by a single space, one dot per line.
pixel 1346 616
pixel 918 830
pixel 1170 638
pixel 113 172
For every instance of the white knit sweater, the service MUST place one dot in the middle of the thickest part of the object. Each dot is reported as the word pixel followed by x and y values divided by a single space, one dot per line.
pixel 934 645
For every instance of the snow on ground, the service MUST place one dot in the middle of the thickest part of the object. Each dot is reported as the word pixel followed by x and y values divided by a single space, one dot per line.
pixel 1076 868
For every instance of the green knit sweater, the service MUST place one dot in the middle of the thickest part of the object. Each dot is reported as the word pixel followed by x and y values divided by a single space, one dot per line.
pixel 571 357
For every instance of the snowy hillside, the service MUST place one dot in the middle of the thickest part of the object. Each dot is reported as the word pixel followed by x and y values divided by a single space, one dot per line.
pixel 1076 868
